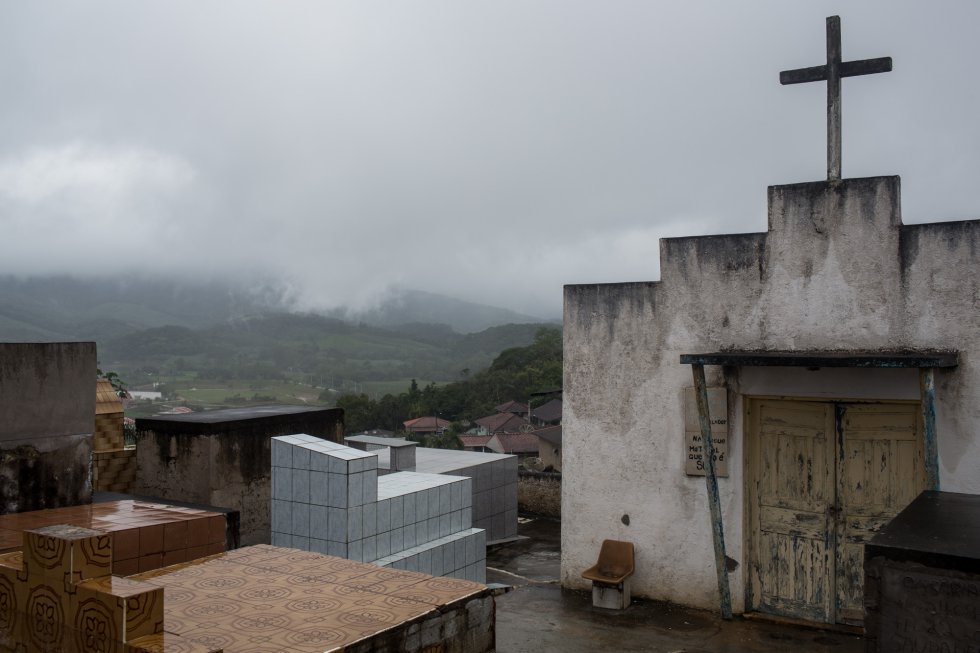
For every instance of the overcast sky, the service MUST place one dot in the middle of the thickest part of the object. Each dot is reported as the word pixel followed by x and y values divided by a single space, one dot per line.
pixel 492 151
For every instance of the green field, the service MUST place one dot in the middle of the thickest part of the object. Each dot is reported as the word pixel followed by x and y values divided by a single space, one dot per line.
pixel 210 395
pixel 243 393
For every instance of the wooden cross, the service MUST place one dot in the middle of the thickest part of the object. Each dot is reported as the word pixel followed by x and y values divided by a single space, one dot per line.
pixel 832 72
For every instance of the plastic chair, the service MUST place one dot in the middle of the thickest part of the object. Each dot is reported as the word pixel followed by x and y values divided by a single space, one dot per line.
pixel 610 575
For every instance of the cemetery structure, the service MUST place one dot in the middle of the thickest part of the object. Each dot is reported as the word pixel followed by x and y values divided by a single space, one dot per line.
pixel 751 419
pixel 328 498
pixel 222 458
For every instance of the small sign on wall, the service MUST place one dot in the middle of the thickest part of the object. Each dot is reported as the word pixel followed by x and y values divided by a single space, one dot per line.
pixel 694 447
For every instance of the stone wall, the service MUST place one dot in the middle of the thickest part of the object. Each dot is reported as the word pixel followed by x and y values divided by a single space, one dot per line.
pixel 539 493
pixel 47 400
pixel 836 269
pixel 222 457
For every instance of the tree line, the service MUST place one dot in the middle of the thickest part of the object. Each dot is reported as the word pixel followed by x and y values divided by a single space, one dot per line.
pixel 514 374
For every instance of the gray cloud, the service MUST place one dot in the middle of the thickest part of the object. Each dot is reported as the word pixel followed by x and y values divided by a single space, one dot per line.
pixel 488 150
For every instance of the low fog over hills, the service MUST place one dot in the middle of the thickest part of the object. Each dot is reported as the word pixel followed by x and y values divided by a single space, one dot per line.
pixel 66 308
pixel 214 343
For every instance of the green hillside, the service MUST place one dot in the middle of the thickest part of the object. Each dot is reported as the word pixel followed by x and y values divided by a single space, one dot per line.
pixel 212 345
pixel 250 356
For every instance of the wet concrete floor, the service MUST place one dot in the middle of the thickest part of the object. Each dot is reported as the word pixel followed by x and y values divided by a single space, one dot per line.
pixel 538 616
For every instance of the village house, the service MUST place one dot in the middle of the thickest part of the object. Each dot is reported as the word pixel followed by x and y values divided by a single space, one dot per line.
pixel 499 423
pixel 474 442
pixel 839 350
pixel 549 447
pixel 548 413
pixel 521 444
pixel 426 425
pixel 515 407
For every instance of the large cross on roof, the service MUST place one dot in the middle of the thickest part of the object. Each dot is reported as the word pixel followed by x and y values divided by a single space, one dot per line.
pixel 832 71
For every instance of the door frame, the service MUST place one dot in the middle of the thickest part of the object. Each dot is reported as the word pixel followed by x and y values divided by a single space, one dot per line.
pixel 750 518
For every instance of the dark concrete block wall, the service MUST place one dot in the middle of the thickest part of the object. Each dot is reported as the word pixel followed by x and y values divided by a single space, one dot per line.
pixel 922 577
pixel 222 457
pixel 47 404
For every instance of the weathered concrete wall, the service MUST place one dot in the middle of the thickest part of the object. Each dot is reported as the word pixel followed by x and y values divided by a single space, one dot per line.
pixel 222 458
pixel 47 404
pixel 539 493
pixel 836 270
pixel 468 626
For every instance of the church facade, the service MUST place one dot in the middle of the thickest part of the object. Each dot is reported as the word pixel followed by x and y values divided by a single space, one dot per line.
pixel 842 354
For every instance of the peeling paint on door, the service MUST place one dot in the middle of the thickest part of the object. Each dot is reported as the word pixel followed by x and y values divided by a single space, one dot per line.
pixel 823 478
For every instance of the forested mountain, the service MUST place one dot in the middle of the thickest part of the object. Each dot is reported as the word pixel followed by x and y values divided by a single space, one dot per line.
pixel 211 344
pixel 322 351
pixel 67 308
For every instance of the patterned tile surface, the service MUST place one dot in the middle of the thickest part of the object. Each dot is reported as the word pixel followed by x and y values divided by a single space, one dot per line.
pixel 57 595
pixel 145 535
pixel 166 643
pixel 124 608
pixel 265 598
pixel 67 554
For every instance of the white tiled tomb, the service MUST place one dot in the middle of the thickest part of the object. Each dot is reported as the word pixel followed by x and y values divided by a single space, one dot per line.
pixel 494 484
pixel 328 498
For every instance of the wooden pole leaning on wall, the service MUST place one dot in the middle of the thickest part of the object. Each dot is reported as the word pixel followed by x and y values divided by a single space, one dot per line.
pixel 711 482
pixel 927 392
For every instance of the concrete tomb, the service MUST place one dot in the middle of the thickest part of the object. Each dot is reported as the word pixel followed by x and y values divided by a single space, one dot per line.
pixel 145 535
pixel 264 598
pixel 494 484
pixel 47 399
pixel 113 464
pixel 58 595
pixel 221 457
pixel 328 498
pixel 401 452
pixel 922 577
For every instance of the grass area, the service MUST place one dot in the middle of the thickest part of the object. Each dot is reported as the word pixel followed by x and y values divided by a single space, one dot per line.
pixel 215 394
pixel 146 409
pixel 250 393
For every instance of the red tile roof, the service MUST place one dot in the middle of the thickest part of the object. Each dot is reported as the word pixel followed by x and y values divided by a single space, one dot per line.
pixel 550 434
pixel 517 442
pixel 474 440
pixel 426 424
pixel 503 423
pixel 515 407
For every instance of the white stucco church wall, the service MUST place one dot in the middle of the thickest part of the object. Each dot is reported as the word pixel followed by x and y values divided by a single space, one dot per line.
pixel 837 270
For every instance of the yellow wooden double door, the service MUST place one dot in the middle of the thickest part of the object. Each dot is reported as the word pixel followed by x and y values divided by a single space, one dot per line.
pixel 822 478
